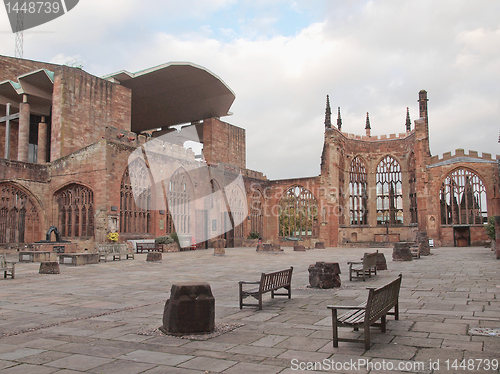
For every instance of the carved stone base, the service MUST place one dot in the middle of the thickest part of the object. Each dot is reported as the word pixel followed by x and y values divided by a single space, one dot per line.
pixel 153 256
pixel 401 252
pixel 324 275
pixel 190 310
pixel 49 267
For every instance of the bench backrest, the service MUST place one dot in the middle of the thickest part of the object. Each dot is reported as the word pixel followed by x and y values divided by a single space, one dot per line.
pixel 381 300
pixel 146 245
pixel 370 259
pixel 278 279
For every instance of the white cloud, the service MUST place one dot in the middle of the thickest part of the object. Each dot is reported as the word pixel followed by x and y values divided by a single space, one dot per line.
pixel 368 56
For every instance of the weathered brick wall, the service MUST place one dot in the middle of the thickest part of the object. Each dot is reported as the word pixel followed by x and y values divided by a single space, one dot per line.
pixel 11 68
pixel 223 142
pixel 83 106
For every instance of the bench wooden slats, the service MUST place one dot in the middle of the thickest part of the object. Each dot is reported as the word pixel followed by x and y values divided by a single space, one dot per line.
pixel 148 247
pixel 379 304
pixel 269 282
pixel 365 267
pixel 8 267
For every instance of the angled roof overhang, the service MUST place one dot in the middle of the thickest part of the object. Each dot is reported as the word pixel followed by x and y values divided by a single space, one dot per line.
pixel 174 93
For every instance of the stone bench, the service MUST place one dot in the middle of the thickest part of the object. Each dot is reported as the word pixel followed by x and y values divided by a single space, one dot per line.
pixel 37 256
pixel 77 259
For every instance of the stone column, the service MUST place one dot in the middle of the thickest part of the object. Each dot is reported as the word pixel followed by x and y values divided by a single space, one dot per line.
pixel 24 131
pixel 42 142
pixel 7 131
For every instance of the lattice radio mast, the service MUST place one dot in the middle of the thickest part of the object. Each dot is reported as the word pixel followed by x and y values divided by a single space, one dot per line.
pixel 19 34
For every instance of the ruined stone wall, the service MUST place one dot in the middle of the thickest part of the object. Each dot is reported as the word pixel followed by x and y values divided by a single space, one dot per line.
pixel 83 106
pixel 223 142
pixel 484 167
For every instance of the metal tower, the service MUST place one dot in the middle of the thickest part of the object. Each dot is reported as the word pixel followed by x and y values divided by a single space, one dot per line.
pixel 19 32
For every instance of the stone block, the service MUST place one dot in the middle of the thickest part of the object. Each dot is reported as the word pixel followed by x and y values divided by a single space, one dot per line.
pixel 401 252
pixel 299 247
pixel 381 261
pixel 49 267
pixel 153 256
pixel 324 275
pixel 319 245
pixel 190 310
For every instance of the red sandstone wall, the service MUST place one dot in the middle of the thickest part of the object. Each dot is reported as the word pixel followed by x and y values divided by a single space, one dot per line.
pixel 11 68
pixel 223 142
pixel 83 106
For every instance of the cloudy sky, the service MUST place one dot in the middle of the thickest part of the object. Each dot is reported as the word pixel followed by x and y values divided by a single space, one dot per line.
pixel 281 58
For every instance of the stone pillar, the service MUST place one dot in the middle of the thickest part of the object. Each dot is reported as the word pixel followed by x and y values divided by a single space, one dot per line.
pixel 7 131
pixel 42 142
pixel 24 131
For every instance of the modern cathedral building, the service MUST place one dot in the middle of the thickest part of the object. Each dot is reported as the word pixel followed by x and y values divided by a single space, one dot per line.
pixel 96 155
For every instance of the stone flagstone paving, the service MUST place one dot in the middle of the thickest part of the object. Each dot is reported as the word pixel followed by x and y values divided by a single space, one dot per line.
pixel 93 318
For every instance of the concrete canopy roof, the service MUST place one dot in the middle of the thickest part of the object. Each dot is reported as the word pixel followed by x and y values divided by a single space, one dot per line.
pixel 174 93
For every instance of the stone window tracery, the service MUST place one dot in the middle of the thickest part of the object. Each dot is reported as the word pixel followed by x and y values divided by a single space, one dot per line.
pixel 19 218
pixel 75 207
pixel 412 183
pixel 179 201
pixel 135 199
pixel 463 199
pixel 298 213
pixel 389 192
pixel 358 193
pixel 256 213
pixel 237 200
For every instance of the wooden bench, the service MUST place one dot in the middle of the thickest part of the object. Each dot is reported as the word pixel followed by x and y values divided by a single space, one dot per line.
pixel 380 302
pixel 148 247
pixel 269 282
pixel 114 251
pixel 8 267
pixel 366 266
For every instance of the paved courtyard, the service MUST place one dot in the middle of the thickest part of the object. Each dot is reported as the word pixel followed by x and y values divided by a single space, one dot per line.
pixel 103 318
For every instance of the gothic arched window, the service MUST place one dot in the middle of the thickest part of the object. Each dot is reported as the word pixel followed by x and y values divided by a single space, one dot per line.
pixel 358 193
pixel 298 213
pixel 179 201
pixel 463 199
pixel 75 207
pixel 389 192
pixel 341 201
pixel 256 213
pixel 135 199
pixel 412 183
pixel 237 201
pixel 19 218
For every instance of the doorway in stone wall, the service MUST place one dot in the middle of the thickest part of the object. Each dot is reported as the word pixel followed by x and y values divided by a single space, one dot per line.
pixel 461 235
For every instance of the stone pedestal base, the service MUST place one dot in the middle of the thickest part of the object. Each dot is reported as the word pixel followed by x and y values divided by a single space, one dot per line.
pixel 153 256
pixel 423 243
pixel 299 248
pixel 190 310
pixel 219 247
pixel 324 275
pixel 49 267
pixel 319 245
pixel 401 252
